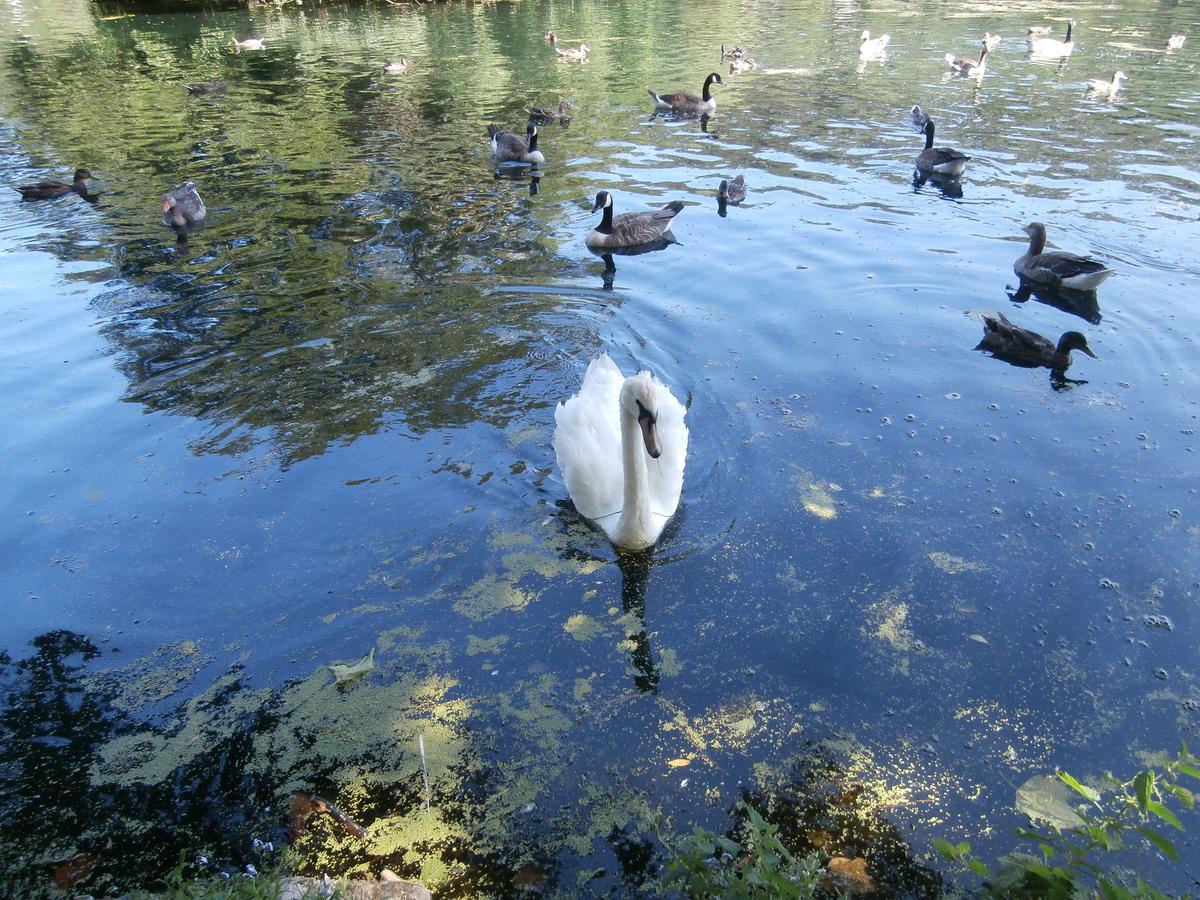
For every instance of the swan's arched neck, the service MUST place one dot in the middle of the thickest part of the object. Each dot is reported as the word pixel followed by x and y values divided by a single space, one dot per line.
pixel 636 529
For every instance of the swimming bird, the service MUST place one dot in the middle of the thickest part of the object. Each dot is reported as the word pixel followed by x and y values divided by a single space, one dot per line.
pixel 52 190
pixel 1057 268
pixel 1175 41
pixel 396 68
pixel 1035 31
pixel 508 147
pixel 991 41
pixel 733 191
pixel 1107 89
pixel 252 43
pixel 735 53
pixel 629 229
pixel 621 445
pixel 573 54
pixel 1049 48
pixel 686 101
pixel 206 87
pixel 940 160
pixel 872 48
pixel 550 38
pixel 1028 348
pixel 550 114
pixel 918 117
pixel 741 66
pixel 967 67
pixel 183 207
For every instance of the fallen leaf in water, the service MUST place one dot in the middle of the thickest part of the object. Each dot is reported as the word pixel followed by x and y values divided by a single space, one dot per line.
pixel 978 638
pixel 1046 799
pixel 676 763
pixel 848 876
pixel 344 673
pixel 75 871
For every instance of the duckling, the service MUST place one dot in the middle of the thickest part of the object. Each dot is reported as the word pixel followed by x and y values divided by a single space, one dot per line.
pixel 549 114
pixel 687 102
pixel 992 41
pixel 550 38
pixel 52 190
pixel 735 53
pixel 966 67
pixel 1028 348
pixel 399 67
pixel 1098 87
pixel 252 43
pixel 1175 41
pixel 183 207
pixel 940 160
pixel 206 87
pixel 573 54
pixel 1049 48
pixel 742 66
pixel 872 48
pixel 733 191
pixel 1057 268
pixel 918 117
pixel 629 229
pixel 508 147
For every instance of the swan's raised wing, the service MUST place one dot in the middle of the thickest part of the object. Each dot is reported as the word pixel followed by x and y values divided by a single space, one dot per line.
pixel 665 474
pixel 587 441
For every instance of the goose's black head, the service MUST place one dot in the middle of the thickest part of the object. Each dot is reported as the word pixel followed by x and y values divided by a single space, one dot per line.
pixel 603 199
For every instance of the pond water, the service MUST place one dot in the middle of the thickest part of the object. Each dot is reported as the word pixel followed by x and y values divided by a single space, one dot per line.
pixel 905 577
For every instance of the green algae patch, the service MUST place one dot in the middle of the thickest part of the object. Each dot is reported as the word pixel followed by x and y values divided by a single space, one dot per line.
pixel 154 678
pixel 955 565
pixel 583 627
pixel 669 663
pixel 816 497
pixel 486 646
pixel 490 596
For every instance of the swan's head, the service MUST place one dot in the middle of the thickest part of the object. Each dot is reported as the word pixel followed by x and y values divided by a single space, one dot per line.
pixel 1119 77
pixel 603 200
pixel 639 401
pixel 864 37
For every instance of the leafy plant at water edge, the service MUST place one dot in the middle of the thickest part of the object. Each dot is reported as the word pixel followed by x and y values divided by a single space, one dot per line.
pixel 1070 861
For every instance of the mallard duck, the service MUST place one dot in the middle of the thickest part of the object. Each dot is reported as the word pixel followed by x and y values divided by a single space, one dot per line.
pixel 629 229
pixel 508 147
pixel 52 190
pixel 991 41
pixel 550 38
pixel 573 54
pixel 940 160
pixel 252 43
pixel 1049 48
pixel 604 439
pixel 1036 31
pixel 872 48
pixel 967 67
pixel 735 53
pixel 399 67
pixel 1175 41
pixel 733 191
pixel 1106 89
pixel 183 207
pixel 742 66
pixel 206 87
pixel 1028 348
pixel 549 114
pixel 686 101
pixel 918 117
pixel 1057 268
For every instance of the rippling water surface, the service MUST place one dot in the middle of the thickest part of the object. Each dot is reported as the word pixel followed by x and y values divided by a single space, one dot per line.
pixel 321 424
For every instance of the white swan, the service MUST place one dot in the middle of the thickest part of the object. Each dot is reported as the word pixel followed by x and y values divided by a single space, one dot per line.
pixel 621 445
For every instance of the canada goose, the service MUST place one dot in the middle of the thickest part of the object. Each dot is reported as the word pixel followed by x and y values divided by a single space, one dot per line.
pixel 183 207
pixel 735 53
pixel 966 67
pixel 687 102
pixel 741 66
pixel 573 54
pixel 992 41
pixel 1049 48
pixel 629 229
pixel 549 114
pixel 248 43
pixel 1057 268
pixel 52 190
pixel 1035 31
pixel 1107 89
pixel 206 87
pixel 396 68
pixel 605 438
pixel 872 48
pixel 940 160
pixel 1028 348
pixel 550 38
pixel 1175 41
pixel 733 191
pixel 918 117
pixel 508 147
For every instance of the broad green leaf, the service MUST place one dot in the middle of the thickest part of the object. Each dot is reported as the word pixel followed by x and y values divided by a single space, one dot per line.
pixel 1069 780
pixel 947 849
pixel 1163 813
pixel 1187 769
pixel 1031 835
pixel 978 868
pixel 1045 799
pixel 1160 842
pixel 1143 784
pixel 1186 797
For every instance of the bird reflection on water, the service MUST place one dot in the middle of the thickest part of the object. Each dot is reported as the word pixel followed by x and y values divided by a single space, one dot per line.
pixel 665 240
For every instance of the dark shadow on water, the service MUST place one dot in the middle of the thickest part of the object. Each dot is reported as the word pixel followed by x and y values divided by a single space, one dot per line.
pixel 1084 304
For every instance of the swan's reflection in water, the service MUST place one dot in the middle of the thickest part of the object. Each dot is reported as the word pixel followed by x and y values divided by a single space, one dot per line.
pixel 1085 304
pixel 635 576
pixel 662 242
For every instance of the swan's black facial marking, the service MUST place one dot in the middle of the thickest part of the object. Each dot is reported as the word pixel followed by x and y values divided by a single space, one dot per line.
pixel 648 420
pixel 644 413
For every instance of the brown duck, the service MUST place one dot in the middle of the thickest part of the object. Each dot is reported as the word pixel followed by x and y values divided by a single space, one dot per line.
pixel 52 190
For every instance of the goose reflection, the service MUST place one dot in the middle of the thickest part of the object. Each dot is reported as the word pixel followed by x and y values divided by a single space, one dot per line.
pixel 662 242
pixel 949 185
pixel 1085 304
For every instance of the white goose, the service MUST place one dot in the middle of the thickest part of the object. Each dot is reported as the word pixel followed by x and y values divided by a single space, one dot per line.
pixel 621 445
pixel 1049 48
pixel 872 48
